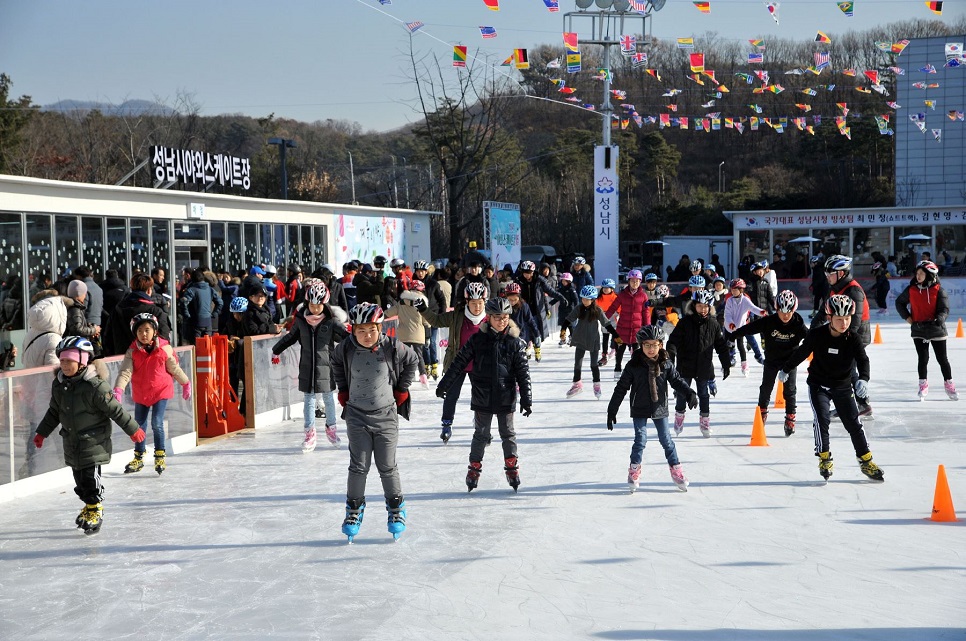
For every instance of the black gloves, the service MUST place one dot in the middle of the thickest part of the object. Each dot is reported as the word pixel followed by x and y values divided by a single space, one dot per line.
pixel 725 371
pixel 610 422
pixel 693 397
pixel 526 410
pixel 441 392
pixel 420 305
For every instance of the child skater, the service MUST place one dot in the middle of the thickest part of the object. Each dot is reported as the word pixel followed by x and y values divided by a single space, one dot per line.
pixel 523 317
pixel 605 298
pixel 233 329
pixel 412 326
pixel 149 364
pixel 836 349
pixel 497 356
pixel 567 290
pixel 737 307
pixel 925 306
pixel 780 333
pixel 632 313
pixel 316 330
pixel 881 287
pixel 647 376
pixel 373 373
pixel 83 405
pixel 694 338
pixel 585 322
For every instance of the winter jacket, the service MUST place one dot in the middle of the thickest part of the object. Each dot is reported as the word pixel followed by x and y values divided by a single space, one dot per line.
pixel 582 277
pixel 633 313
pixel 571 300
pixel 367 289
pixel 412 326
pixel 95 301
pixel 437 300
pixel 499 365
pixel 150 372
pixel 832 359
pixel 761 295
pixel 928 307
pixel 779 339
pixel 337 294
pixel 115 290
pixel 11 312
pixel 117 336
pixel 860 318
pixel 636 379
pixel 736 311
pixel 535 293
pixel 446 288
pixel 453 321
pixel 228 293
pixel 400 358
pixel 692 342
pixel 46 323
pixel 881 289
pixel 77 324
pixel 529 329
pixel 84 407
pixel 585 326
pixel 258 321
pixel 819 283
pixel 604 301
pixel 200 303
pixel 315 356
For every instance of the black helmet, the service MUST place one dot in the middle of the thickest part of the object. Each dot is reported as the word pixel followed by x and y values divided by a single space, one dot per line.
pixel 379 261
pixel 650 333
pixel 498 306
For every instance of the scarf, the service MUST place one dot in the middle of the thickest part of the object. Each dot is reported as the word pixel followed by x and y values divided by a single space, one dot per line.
pixel 653 371
pixel 476 320
pixel 313 321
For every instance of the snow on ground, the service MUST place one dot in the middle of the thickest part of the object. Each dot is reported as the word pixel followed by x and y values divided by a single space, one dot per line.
pixel 240 539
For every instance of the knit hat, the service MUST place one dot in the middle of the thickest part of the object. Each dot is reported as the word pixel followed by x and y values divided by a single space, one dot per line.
pixel 74 354
pixel 76 289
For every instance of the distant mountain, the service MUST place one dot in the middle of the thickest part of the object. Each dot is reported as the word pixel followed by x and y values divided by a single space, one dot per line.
pixel 126 108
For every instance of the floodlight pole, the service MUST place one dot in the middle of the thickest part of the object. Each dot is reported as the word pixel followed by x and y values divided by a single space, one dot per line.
pixel 283 144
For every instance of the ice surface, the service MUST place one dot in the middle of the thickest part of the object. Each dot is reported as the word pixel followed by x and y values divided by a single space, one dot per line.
pixel 240 538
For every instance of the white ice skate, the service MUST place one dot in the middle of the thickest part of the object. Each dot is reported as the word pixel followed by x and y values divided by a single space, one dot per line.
pixel 923 389
pixel 951 390
pixel 677 475
pixel 309 443
pixel 634 476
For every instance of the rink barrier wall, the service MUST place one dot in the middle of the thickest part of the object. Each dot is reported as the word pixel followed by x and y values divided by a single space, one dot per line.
pixel 25 398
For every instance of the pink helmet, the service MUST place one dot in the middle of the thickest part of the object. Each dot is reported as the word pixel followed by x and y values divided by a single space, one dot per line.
pixel 635 273
pixel 417 285
pixel 566 276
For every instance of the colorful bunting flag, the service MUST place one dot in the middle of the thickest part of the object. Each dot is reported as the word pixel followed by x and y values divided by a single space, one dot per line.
pixel 938 133
pixel 872 75
pixel 844 107
pixel 756 59
pixel 710 74
pixel 821 37
pixel 553 6
pixel 894 105
pixel 822 60
pixel 653 72
pixel 955 62
pixel 935 7
pixel 697 62
pixel 927 69
pixel 756 108
pixel 385 1
pixel 703 7
pixel 930 103
pixel 685 43
pixel 883 46
pixel 508 61
pixel 554 64
pixel 520 57
pixel 954 50
pixel 414 26
pixel 639 59
pixel 846 7
pixel 772 8
pixel 459 56
pixel 628 45
pixel 570 41
pixel 492 5
pixel 758 43
pixel 898 47
pixel 487 32
pixel 899 71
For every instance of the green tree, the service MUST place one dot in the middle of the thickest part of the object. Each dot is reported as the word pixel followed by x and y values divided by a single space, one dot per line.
pixel 14 116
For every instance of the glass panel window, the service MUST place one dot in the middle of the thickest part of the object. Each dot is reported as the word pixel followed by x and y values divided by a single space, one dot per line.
pixel 39 249
pixel 234 248
pixel 252 256
pixel 117 244
pixel 790 259
pixel 319 248
pixel 67 245
pixel 11 267
pixel 92 245
pixel 293 245
pixel 279 240
pixel 160 245
pixel 265 245
pixel 140 249
pixel 190 231
pixel 918 244
pixel 753 246
pixel 218 247
pixel 831 241
pixel 951 249
pixel 872 245
pixel 306 254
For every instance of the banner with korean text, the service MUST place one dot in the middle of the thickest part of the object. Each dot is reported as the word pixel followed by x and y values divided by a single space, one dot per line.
pixel 504 238
pixel 606 190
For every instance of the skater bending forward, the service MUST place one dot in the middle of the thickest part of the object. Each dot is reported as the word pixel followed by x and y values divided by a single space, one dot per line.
pixel 373 373
pixel 647 377
pixel 834 348
pixel 499 362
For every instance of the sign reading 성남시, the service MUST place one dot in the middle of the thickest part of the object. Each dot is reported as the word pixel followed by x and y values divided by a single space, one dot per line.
pixel 606 241
pixel 200 168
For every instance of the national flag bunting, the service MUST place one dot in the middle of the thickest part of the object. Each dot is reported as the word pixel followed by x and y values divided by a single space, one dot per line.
pixel 697 62
pixel 459 56
pixel 821 37
pixel 570 41
pixel 846 7
pixel 685 43
pixel 573 62
pixel 639 59
pixel 703 7
pixel 552 5
pixel 897 47
pixel 756 59
pixel 414 26
pixel 927 69
pixel 653 72
pixel 822 60
pixel 758 43
pixel 520 59
pixel 628 45
pixel 492 5
pixel 935 7
pixel 772 8
pixel 487 32
pixel 872 75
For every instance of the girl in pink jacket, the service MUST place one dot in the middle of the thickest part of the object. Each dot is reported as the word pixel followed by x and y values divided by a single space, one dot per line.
pixel 737 307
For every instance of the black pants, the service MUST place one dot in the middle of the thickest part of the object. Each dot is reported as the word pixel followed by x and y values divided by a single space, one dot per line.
pixel 768 384
pixel 844 401
pixel 579 361
pixel 482 423
pixel 88 480
pixel 939 348
pixel 619 356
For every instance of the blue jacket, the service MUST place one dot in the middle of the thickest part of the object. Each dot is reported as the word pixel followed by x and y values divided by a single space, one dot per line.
pixel 199 303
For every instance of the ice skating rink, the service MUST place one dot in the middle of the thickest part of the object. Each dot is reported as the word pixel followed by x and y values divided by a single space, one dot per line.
pixel 240 538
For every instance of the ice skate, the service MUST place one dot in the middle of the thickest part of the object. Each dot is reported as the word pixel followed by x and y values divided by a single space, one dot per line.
pixel 678 422
pixel 789 424
pixel 512 469
pixel 602 361
pixel 135 465
pixel 332 435
pixel 447 432
pixel 744 368
pixel 951 390
pixel 760 359
pixel 712 387
pixel 617 374
pixel 423 382
pixel 93 519
pixel 575 389
pixel 865 410
pixel 79 521
pixel 473 475
pixel 434 371
pixel 764 415
pixel 319 412
pixel 536 354
pixel 159 465
pixel 597 391
pixel 634 477
pixel 563 338
pixel 308 444
pixel 677 475
pixel 869 468
pixel 704 423
pixel 354 511
pixel 923 388
pixel 396 507
pixel 825 464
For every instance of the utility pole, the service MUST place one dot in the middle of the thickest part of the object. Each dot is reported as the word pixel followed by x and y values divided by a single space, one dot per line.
pixel 283 144
pixel 352 179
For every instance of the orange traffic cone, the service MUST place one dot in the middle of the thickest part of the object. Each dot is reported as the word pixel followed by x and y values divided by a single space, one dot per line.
pixel 758 430
pixel 959 329
pixel 780 396
pixel 878 335
pixel 942 503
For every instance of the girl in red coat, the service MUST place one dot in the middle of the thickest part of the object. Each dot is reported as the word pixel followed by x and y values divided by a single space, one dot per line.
pixel 149 364
pixel 632 314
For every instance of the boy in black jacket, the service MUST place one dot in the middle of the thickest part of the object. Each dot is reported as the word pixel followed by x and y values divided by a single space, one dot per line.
pixel 835 348
pixel 781 333
pixel 646 377
pixel 499 361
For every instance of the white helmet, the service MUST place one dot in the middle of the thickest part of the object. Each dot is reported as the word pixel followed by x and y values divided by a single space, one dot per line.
pixel 476 291
pixel 317 294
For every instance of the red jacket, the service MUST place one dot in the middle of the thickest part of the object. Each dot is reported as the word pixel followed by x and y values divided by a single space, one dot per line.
pixel 634 313
pixel 150 372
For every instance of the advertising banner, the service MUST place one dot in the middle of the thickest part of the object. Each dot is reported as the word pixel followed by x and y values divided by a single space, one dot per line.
pixel 364 237
pixel 606 190
pixel 505 239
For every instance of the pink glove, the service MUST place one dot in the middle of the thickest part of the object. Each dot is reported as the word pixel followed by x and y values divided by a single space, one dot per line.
pixel 186 391
pixel 38 441
pixel 276 359
pixel 138 437
pixel 118 394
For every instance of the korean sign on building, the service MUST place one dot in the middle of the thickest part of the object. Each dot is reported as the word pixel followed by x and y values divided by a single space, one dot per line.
pixel 606 190
pixel 844 219
pixel 200 168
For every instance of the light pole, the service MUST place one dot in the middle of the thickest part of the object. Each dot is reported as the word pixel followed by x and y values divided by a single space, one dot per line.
pixel 283 144
pixel 721 177
pixel 352 179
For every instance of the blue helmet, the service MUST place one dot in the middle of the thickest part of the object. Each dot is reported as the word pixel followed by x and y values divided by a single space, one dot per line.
pixel 609 282
pixel 696 281
pixel 650 276
pixel 588 291
pixel 704 296
pixel 239 305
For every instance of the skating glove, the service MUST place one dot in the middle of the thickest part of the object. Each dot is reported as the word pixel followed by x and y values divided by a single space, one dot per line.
pixel 526 410
pixel 186 391
pixel 343 398
pixel 618 341
pixel 138 437
pixel 276 359
pixel 420 305
pixel 38 441
pixel 725 372
pixel 118 394
pixel 610 422
pixel 401 396
pixel 441 392
pixel 861 389
pixel 693 398
pixel 782 376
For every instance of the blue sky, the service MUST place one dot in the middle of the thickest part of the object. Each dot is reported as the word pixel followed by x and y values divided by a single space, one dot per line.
pixel 320 59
